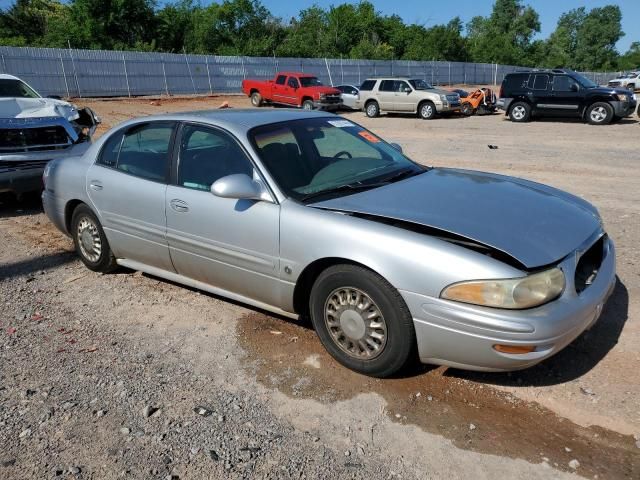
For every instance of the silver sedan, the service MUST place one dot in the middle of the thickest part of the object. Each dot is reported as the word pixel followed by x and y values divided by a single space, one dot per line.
pixel 309 214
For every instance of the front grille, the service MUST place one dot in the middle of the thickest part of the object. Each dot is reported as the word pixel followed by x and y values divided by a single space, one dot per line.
pixel 589 264
pixel 16 140
pixel 332 99
pixel 614 84
pixel 453 100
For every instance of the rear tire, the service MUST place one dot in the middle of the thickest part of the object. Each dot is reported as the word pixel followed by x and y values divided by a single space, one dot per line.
pixel 600 113
pixel 362 320
pixel 520 112
pixel 256 99
pixel 372 109
pixel 427 110
pixel 90 241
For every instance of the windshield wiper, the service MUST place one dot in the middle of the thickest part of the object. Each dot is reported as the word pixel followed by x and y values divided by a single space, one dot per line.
pixel 351 187
pixel 400 175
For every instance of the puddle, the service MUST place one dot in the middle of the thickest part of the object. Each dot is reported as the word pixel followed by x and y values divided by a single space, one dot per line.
pixel 290 358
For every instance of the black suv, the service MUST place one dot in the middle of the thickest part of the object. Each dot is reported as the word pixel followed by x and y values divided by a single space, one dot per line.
pixel 562 93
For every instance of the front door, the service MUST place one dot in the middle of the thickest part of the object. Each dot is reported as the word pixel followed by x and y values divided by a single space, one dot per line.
pixel 127 186
pixel 405 97
pixel 565 99
pixel 226 243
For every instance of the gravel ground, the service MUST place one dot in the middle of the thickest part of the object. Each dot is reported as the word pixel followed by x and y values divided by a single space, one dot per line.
pixel 128 376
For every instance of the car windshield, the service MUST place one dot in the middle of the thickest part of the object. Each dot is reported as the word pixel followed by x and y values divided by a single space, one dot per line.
pixel 322 158
pixel 630 75
pixel 310 82
pixel 419 84
pixel 16 89
pixel 584 81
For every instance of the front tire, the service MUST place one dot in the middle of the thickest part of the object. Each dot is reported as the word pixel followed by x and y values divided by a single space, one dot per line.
pixel 520 112
pixel 427 110
pixel 90 241
pixel 600 113
pixel 307 105
pixel 362 321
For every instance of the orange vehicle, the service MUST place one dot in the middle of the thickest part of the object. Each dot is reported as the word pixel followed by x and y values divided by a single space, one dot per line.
pixel 481 101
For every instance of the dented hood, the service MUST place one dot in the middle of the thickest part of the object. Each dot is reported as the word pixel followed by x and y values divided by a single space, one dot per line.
pixel 36 108
pixel 535 224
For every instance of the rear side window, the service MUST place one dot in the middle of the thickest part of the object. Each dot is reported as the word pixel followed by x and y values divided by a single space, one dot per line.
pixel 367 85
pixel 293 82
pixel 144 151
pixel 387 86
pixel 540 82
pixel 281 79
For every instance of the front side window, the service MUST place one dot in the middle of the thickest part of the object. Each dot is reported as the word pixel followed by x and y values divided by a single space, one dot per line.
pixel 310 82
pixel 321 157
pixel 206 155
pixel 10 88
pixel 144 151
pixel 400 86
pixel 563 83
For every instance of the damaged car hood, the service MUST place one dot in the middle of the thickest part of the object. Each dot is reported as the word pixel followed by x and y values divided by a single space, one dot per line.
pixel 535 224
pixel 37 108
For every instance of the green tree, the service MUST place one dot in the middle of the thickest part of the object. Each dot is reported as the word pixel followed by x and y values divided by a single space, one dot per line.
pixel 631 59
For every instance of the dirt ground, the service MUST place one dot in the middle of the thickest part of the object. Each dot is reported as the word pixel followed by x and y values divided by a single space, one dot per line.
pixel 85 357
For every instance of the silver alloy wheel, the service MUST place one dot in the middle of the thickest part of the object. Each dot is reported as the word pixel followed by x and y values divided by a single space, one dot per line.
pixel 598 114
pixel 307 106
pixel 355 323
pixel 255 100
pixel 89 239
pixel 519 112
pixel 426 111
pixel 372 110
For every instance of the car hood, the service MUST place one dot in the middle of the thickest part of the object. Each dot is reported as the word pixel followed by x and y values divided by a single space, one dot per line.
pixel 607 91
pixel 533 223
pixel 323 89
pixel 36 108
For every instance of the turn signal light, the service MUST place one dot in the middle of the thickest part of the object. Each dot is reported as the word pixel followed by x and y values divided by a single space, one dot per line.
pixel 515 349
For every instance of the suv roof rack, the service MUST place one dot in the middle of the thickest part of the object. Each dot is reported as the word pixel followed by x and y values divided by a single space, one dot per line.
pixel 545 70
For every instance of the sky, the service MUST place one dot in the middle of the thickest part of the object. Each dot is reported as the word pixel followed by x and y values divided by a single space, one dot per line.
pixel 429 12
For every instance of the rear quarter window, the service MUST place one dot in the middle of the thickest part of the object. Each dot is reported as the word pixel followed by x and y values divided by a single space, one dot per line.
pixel 367 85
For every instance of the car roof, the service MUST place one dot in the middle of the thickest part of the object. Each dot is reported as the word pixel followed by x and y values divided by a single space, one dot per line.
pixel 296 74
pixel 235 119
pixel 6 76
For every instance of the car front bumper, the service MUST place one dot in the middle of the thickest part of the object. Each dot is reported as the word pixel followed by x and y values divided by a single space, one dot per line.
pixel 463 336
pixel 624 109
pixel 329 107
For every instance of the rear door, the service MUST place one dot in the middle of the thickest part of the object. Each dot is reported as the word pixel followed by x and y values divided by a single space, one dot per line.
pixel 540 92
pixel 127 186
pixel 386 95
pixel 279 89
pixel 226 243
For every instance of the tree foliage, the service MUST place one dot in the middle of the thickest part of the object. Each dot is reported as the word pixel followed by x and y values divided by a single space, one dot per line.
pixel 583 39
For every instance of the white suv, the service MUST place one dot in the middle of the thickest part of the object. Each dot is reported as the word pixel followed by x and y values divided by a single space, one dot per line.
pixel 630 81
pixel 405 95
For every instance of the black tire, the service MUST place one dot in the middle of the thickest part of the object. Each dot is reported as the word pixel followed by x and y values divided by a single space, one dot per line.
pixel 105 261
pixel 308 105
pixel 467 109
pixel 372 109
pixel 600 113
pixel 520 112
pixel 632 87
pixel 399 343
pixel 427 110
pixel 256 99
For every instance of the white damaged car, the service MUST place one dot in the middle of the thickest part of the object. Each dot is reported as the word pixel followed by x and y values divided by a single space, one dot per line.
pixel 34 130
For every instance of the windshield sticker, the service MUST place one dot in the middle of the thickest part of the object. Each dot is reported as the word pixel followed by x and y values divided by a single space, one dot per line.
pixel 341 123
pixel 369 136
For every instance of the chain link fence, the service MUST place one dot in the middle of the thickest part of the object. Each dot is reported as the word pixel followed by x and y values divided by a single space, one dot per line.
pixel 102 73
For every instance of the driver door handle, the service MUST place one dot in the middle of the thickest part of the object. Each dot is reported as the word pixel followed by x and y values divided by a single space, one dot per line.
pixel 95 185
pixel 179 205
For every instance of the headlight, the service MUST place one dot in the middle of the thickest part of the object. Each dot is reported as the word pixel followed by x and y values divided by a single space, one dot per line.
pixel 323 96
pixel 443 98
pixel 512 293
pixel 622 97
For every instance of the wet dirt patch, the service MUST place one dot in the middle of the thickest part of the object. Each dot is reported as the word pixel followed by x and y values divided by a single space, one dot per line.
pixel 289 357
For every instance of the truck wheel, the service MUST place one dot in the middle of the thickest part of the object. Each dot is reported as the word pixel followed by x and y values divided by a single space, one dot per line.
pixel 256 99
pixel 372 109
pixel 520 112
pixel 467 109
pixel 427 110
pixel 307 105
pixel 600 113
pixel 632 87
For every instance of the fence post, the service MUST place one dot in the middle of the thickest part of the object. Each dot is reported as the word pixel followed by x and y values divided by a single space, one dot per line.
pixel 75 73
pixel 4 65
pixel 164 75
pixel 244 71
pixel 328 71
pixel 193 84
pixel 126 75
pixel 64 75
pixel 341 70
pixel 206 59
pixel 359 79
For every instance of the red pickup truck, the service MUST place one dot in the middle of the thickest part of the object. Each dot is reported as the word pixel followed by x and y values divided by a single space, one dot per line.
pixel 295 89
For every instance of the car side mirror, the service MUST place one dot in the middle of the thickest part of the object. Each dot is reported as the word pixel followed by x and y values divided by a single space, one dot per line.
pixel 573 87
pixel 407 90
pixel 240 186
pixel 396 146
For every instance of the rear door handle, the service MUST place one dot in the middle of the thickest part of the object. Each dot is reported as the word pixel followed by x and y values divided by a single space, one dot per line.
pixel 95 185
pixel 179 205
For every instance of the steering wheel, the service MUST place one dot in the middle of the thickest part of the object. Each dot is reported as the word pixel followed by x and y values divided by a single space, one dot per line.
pixel 343 152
